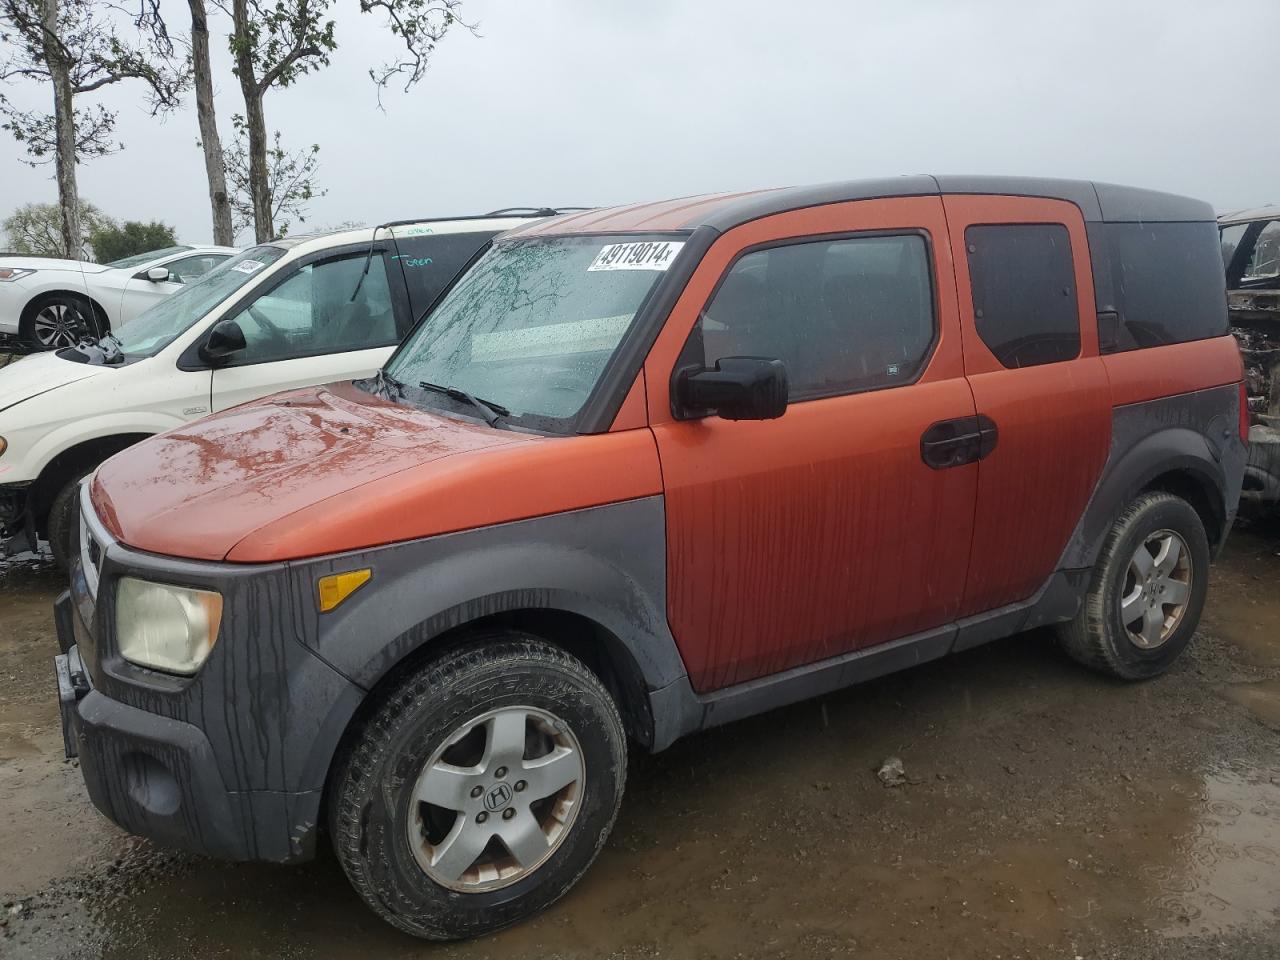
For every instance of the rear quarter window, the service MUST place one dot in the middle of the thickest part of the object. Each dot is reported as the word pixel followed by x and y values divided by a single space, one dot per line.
pixel 1024 292
pixel 1167 283
pixel 430 262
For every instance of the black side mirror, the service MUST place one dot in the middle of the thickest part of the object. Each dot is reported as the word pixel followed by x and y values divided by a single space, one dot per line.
pixel 739 388
pixel 224 339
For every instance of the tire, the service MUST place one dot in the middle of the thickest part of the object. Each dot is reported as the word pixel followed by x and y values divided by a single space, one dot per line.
pixel 1145 647
pixel 384 837
pixel 62 517
pixel 58 320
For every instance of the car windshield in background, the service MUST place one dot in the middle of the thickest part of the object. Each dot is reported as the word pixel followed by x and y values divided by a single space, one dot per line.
pixel 138 259
pixel 531 326
pixel 151 331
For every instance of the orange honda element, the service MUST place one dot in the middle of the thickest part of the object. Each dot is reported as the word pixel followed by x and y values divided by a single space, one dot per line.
pixel 640 472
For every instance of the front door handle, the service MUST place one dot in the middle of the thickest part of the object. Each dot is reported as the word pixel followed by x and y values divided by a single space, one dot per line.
pixel 953 443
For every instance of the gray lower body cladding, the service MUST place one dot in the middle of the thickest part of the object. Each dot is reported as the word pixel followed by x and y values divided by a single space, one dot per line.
pixel 234 760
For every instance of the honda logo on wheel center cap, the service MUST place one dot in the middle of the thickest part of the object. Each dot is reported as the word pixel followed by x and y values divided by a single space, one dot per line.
pixel 498 797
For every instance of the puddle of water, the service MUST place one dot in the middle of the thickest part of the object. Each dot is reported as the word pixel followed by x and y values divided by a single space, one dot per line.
pixel 1227 874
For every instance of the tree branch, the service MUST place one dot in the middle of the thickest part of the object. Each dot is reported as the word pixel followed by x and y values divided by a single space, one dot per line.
pixel 294 55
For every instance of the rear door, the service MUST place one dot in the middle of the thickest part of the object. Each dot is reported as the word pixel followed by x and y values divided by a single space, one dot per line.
pixel 323 322
pixel 801 538
pixel 1031 357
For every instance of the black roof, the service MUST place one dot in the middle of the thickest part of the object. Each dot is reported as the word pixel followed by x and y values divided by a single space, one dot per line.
pixel 1099 202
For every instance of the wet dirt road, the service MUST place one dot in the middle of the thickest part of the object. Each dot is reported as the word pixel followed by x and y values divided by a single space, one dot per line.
pixel 1048 813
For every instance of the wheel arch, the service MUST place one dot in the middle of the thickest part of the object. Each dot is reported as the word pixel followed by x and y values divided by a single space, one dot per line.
pixel 1197 488
pixel 84 455
pixel 1176 460
pixel 598 647
pixel 38 300
pixel 587 639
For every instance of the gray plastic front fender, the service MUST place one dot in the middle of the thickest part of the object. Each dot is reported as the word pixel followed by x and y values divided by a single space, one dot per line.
pixel 606 563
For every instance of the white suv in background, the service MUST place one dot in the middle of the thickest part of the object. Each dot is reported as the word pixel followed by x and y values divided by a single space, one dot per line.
pixel 289 313
pixel 48 303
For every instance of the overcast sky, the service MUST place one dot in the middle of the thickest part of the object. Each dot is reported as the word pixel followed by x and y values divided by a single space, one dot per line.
pixel 589 102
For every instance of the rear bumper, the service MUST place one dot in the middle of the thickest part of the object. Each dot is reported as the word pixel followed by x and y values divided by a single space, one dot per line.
pixel 158 777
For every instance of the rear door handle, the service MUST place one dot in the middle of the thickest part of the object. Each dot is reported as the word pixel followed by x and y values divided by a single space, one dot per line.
pixel 953 443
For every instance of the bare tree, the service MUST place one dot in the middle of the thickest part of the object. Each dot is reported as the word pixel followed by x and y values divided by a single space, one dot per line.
pixel 215 164
pixel 76 46
pixel 274 42
pixel 291 182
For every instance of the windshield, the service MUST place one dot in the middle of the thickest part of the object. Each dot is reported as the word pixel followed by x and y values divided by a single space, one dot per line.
pixel 138 259
pixel 151 331
pixel 531 326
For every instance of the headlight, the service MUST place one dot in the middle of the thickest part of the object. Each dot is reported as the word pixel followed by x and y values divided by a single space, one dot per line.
pixel 14 273
pixel 164 627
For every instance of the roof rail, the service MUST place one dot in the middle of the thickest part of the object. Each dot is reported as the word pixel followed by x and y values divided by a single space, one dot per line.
pixel 536 211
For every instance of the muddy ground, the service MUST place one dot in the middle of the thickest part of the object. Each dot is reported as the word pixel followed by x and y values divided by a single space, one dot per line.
pixel 1048 813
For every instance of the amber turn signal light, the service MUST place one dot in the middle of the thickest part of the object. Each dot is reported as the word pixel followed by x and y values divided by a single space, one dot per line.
pixel 336 587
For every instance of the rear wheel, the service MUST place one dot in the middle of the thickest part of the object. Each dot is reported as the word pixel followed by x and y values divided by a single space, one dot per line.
pixel 480 789
pixel 1146 593
pixel 57 320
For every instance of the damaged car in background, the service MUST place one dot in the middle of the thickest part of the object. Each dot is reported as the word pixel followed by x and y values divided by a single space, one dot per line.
pixel 1251 253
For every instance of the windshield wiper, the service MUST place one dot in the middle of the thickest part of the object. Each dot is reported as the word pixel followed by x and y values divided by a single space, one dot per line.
pixel 492 412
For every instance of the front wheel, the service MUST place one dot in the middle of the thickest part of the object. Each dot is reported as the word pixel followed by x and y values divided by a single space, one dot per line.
pixel 62 516
pixel 480 789
pixel 1146 592
pixel 57 320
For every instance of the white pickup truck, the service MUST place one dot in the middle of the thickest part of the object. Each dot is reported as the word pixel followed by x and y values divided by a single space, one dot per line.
pixel 288 313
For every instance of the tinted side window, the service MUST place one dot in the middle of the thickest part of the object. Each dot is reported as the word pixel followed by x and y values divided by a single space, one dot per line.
pixel 1024 292
pixel 843 315
pixel 322 308
pixel 429 262
pixel 1167 282
pixel 192 268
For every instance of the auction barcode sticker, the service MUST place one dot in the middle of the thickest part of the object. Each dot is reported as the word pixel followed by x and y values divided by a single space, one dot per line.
pixel 249 266
pixel 641 255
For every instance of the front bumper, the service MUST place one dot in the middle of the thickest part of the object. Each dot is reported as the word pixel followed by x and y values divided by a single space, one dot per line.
pixel 230 762
pixel 158 777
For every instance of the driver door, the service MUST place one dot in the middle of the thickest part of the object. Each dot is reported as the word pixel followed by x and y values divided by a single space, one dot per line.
pixel 828 530
pixel 322 323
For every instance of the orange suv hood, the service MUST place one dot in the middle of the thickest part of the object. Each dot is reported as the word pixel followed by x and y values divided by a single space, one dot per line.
pixel 327 469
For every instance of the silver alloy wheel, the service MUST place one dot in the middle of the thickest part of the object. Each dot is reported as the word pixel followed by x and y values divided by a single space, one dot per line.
pixel 496 800
pixel 1157 587
pixel 58 324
